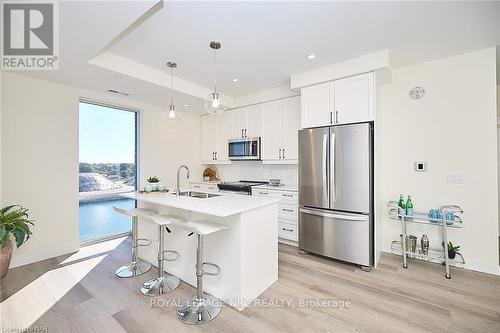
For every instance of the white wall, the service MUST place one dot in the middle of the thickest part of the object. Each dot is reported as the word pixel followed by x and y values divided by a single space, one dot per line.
pixel 40 162
pixel 453 128
pixel 40 156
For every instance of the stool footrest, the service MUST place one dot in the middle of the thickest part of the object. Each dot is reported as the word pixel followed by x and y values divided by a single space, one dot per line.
pixel 169 252
pixel 145 242
pixel 217 272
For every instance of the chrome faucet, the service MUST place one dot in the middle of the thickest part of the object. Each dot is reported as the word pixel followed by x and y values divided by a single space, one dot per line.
pixel 178 190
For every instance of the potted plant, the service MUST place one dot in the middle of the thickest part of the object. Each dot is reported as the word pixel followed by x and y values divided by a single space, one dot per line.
pixel 13 221
pixel 452 250
pixel 153 182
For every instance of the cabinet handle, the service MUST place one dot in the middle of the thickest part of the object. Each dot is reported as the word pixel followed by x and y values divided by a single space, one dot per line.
pixel 242 133
pixel 280 153
pixel 336 117
pixel 216 158
pixel 291 230
pixel 331 117
pixel 245 132
pixel 287 210
pixel 287 195
pixel 266 193
pixel 196 186
pixel 283 152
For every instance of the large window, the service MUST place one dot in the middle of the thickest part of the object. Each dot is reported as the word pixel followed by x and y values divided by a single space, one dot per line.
pixel 108 149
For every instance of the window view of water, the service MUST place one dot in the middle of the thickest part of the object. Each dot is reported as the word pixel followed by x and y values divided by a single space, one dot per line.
pixel 98 219
pixel 107 168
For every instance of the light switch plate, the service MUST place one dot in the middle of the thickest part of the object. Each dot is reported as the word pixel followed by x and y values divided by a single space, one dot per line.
pixel 455 178
pixel 420 166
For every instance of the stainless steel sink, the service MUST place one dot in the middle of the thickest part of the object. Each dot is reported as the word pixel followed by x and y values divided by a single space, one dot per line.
pixel 200 195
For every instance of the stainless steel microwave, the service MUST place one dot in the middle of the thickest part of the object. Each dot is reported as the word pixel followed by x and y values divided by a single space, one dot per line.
pixel 244 149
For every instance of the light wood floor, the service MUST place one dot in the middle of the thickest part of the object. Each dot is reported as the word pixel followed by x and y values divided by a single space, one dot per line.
pixel 389 299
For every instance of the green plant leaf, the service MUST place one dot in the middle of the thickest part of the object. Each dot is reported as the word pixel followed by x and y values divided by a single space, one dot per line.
pixel 4 236
pixel 19 235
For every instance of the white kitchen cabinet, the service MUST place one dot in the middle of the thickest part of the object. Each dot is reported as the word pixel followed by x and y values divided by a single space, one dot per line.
pixel 254 121
pixel 208 140
pixel 239 122
pixel 247 122
pixel 317 105
pixel 354 99
pixel 214 136
pixel 344 101
pixel 280 125
pixel 272 140
pixel 205 187
pixel 290 125
pixel 288 212
pixel 222 134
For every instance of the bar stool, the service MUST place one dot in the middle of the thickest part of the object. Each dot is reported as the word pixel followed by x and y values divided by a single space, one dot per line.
pixel 136 267
pixel 163 283
pixel 202 308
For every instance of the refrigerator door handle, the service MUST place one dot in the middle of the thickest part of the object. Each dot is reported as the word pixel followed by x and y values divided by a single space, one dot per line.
pixel 325 169
pixel 332 215
pixel 333 190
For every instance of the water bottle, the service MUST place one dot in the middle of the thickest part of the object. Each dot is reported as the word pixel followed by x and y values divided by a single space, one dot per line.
pixel 401 206
pixel 409 207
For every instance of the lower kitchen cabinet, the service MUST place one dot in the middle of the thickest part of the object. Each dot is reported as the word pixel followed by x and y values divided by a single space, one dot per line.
pixel 205 187
pixel 288 212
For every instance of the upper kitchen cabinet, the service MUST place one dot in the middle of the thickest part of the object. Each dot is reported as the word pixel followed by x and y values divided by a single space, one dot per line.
pixel 354 99
pixel 214 136
pixel 247 122
pixel 317 105
pixel 344 101
pixel 290 124
pixel 280 125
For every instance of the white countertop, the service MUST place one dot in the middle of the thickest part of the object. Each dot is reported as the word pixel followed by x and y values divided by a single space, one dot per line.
pixel 224 205
pixel 278 188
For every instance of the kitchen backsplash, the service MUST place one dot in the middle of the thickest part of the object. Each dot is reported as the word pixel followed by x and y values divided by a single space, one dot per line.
pixel 258 171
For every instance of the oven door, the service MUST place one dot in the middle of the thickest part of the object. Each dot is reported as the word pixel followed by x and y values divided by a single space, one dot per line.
pixel 244 149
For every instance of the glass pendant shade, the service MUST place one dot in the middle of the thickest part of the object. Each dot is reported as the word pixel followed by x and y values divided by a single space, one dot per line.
pixel 170 114
pixel 215 104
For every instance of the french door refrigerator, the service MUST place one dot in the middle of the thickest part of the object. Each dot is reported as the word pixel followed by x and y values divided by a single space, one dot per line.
pixel 336 192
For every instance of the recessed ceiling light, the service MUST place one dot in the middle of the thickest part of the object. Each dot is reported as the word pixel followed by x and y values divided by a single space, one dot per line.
pixel 311 56
pixel 186 105
pixel 235 80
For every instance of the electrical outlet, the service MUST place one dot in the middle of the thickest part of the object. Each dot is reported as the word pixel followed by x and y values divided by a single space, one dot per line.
pixel 455 178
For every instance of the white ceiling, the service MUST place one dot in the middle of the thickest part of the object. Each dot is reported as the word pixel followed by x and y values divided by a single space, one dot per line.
pixel 263 42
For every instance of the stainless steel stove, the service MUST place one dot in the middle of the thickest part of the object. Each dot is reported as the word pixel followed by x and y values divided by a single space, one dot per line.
pixel 240 187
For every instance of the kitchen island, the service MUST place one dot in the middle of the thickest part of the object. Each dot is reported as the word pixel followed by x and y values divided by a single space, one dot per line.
pixel 247 251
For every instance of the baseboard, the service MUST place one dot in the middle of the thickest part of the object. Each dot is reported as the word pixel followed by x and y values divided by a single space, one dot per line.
pixel 482 267
pixel 288 242
pixel 16 262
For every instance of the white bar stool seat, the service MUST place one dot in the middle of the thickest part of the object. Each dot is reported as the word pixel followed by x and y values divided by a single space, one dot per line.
pixel 202 308
pixel 163 283
pixel 136 267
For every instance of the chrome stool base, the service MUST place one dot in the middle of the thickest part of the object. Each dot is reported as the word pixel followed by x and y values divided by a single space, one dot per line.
pixel 160 286
pixel 197 311
pixel 132 269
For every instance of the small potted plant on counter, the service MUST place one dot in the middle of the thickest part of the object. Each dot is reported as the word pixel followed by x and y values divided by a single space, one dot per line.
pixel 452 250
pixel 153 182
pixel 13 221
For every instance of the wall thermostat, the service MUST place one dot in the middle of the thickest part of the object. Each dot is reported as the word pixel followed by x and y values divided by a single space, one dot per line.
pixel 420 166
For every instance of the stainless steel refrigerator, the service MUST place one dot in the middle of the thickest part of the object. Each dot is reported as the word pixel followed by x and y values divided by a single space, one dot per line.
pixel 336 192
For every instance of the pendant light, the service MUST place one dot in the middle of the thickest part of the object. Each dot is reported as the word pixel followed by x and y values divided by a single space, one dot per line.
pixel 215 104
pixel 170 114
